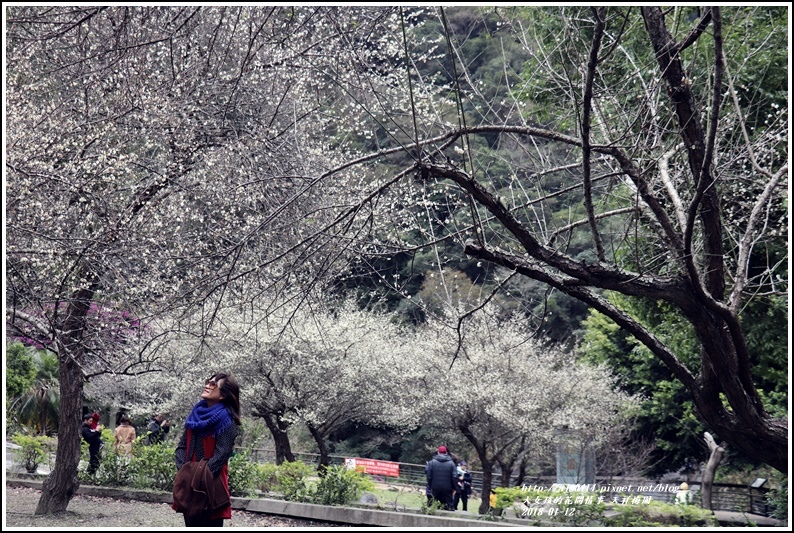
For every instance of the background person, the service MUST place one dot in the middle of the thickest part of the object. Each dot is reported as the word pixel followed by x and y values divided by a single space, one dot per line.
pixel 492 500
pixel 158 429
pixel 124 436
pixel 683 496
pixel 463 490
pixel 441 477
pixel 94 439
pixel 210 430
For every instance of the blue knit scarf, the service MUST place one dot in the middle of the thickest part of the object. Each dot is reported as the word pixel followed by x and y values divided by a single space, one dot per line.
pixel 205 420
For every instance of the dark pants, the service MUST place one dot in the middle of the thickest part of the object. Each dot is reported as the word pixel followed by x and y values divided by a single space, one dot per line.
pixel 445 497
pixel 93 460
pixel 462 497
pixel 204 522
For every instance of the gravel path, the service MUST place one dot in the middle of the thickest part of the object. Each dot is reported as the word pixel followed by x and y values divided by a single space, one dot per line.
pixel 108 513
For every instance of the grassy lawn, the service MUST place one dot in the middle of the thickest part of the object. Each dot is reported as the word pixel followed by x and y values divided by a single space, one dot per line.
pixel 391 496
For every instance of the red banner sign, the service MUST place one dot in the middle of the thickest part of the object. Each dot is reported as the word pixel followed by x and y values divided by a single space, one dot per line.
pixel 371 466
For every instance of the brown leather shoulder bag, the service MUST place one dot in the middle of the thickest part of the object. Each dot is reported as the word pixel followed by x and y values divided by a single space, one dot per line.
pixel 197 494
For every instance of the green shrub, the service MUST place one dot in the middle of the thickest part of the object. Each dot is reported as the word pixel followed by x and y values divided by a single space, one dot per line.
pixel 153 466
pixel 288 478
pixel 268 477
pixel 292 481
pixel 82 472
pixel 431 508
pixel 243 476
pixel 31 452
pixel 50 448
pixel 580 508
pixel 660 514
pixel 114 469
pixel 20 369
pixel 341 485
pixel 505 497
pixel 584 509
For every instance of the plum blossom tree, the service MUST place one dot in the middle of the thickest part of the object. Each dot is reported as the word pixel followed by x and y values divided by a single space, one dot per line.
pixel 323 367
pixel 156 156
pixel 505 387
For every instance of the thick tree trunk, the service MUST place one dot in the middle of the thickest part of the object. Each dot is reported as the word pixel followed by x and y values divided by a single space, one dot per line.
pixel 711 468
pixel 278 429
pixel 319 438
pixel 62 483
pixel 487 467
pixel 487 480
pixel 506 467
pixel 745 425
pixel 522 471
pixel 726 365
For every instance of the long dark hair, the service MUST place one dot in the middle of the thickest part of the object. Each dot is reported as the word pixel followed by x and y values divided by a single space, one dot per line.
pixel 230 390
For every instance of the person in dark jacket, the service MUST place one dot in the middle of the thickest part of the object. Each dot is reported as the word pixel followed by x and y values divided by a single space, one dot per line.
pixel 158 429
pixel 441 477
pixel 94 439
pixel 463 490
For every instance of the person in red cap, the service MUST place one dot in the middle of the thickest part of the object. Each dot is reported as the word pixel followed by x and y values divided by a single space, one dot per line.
pixel 441 477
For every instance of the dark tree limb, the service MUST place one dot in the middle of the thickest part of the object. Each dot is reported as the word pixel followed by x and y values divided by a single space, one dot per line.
pixel 715 457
